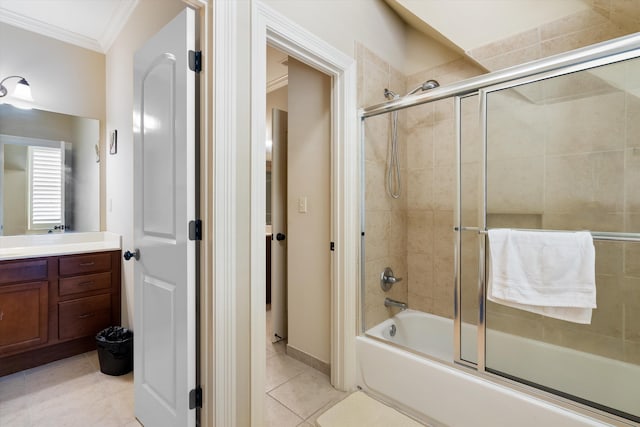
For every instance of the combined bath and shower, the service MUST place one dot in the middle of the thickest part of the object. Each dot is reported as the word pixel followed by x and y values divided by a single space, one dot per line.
pixel 394 185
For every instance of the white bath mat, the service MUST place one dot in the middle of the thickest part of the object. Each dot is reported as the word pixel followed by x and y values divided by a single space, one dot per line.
pixel 360 410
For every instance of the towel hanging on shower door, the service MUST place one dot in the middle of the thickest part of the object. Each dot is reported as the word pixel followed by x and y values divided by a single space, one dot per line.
pixel 549 273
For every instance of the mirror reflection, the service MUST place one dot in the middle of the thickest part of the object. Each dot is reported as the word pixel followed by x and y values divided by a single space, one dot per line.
pixel 50 172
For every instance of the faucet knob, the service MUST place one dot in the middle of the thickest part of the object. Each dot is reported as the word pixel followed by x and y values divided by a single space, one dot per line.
pixel 387 279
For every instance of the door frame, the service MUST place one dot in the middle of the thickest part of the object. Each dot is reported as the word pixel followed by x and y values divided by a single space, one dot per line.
pixel 269 27
pixel 240 95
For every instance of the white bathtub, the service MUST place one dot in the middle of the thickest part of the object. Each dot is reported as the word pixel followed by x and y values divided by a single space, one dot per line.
pixel 452 396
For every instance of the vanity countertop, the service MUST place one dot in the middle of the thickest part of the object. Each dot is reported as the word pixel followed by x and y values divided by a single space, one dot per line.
pixel 32 246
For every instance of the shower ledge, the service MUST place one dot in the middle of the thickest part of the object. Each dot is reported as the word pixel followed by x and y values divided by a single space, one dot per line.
pixel 39 245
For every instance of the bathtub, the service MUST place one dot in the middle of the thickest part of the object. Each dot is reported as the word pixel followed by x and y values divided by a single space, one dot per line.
pixel 444 394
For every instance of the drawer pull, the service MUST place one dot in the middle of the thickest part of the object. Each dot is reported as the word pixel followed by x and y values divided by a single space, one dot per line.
pixel 86 315
pixel 89 283
pixel 86 264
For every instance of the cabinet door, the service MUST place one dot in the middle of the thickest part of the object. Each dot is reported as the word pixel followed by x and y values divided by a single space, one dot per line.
pixel 23 316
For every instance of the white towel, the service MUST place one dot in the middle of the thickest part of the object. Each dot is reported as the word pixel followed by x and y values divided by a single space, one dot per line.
pixel 549 273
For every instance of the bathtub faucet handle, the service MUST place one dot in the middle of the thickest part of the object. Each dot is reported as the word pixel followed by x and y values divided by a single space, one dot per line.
pixel 387 279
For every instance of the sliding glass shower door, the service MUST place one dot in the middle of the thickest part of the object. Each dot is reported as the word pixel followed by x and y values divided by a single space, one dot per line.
pixel 562 152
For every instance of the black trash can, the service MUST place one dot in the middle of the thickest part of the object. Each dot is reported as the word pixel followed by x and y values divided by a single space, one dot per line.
pixel 115 350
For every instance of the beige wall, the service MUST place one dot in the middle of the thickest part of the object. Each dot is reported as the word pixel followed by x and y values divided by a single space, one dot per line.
pixel 473 23
pixel 64 78
pixel 308 234
pixel 341 23
pixel 148 17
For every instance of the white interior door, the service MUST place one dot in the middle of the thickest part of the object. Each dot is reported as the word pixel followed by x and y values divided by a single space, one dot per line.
pixel 164 203
pixel 279 225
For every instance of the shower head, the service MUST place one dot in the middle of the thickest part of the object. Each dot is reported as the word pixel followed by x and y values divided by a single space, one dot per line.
pixel 390 95
pixel 428 85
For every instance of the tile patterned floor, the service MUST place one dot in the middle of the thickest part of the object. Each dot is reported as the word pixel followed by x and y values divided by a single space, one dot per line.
pixel 296 394
pixel 74 393
pixel 67 393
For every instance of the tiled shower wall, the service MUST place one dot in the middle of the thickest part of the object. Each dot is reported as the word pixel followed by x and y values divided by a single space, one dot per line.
pixel 385 223
pixel 413 235
pixel 431 142
pixel 570 161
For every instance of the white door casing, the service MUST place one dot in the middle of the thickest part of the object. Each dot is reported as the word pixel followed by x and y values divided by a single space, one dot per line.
pixel 279 225
pixel 164 203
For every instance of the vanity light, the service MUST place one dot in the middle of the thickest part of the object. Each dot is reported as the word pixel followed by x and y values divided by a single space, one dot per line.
pixel 22 91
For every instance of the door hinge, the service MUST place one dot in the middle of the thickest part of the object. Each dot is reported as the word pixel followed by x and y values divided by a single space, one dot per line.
pixel 195 230
pixel 195 60
pixel 195 398
pixel 332 246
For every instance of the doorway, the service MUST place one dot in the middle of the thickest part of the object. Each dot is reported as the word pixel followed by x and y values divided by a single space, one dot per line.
pixel 300 202
pixel 240 164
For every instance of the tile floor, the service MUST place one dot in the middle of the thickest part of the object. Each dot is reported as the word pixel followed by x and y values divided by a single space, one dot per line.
pixel 296 394
pixel 73 392
pixel 67 393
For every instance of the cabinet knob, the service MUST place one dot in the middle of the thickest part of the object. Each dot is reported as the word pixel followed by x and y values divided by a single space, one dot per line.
pixel 280 237
pixel 135 254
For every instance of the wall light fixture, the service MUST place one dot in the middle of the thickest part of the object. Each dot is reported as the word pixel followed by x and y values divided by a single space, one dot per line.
pixel 22 90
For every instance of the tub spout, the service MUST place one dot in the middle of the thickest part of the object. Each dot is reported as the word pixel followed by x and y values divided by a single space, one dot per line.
pixel 388 302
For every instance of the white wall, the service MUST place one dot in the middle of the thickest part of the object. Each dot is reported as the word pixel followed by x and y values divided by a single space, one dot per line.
pixel 148 17
pixel 308 234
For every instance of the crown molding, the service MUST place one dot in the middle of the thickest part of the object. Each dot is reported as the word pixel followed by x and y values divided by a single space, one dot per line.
pixel 101 45
pixel 277 83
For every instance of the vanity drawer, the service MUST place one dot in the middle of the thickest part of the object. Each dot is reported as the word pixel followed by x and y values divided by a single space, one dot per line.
pixel 84 316
pixel 84 283
pixel 24 271
pixel 81 264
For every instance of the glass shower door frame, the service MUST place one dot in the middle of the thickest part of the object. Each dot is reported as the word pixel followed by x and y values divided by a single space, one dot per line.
pixel 482 231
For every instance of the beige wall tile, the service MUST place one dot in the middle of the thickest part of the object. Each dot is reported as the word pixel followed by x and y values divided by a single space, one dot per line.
pixel 398 233
pixel 420 147
pixel 595 123
pixel 632 352
pixel 444 188
pixel 526 38
pixel 632 180
pixel 585 182
pixel 377 133
pixel 516 57
pixel 420 302
pixel 444 136
pixel 607 319
pixel 516 185
pixel 420 232
pixel 572 23
pixel 588 219
pixel 376 198
pixel 420 274
pixel 515 324
pixel 420 189
pixel 581 38
pixel 377 232
pixel 609 258
pixel 630 296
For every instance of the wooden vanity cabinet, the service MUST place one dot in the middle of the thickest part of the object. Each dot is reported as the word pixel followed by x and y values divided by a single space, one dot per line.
pixel 52 308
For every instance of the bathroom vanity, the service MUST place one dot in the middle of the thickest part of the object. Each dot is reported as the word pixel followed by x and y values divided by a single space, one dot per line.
pixel 56 293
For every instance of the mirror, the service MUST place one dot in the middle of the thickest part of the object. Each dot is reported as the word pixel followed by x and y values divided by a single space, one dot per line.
pixel 34 198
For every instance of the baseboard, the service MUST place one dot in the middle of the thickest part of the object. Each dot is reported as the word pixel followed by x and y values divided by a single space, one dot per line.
pixel 309 360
